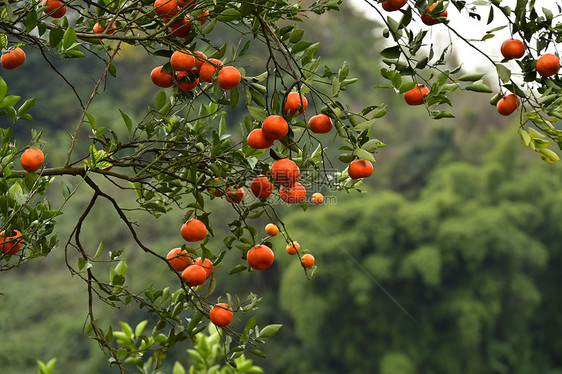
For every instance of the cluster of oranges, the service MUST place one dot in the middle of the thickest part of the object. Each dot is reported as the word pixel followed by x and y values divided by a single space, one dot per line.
pixel 546 65
pixel 31 160
pixel 190 68
pixel 307 260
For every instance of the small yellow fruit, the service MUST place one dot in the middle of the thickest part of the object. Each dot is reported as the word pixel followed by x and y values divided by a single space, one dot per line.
pixel 293 248
pixel 271 229
pixel 317 198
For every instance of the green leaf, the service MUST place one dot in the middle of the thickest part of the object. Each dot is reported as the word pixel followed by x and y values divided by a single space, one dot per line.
pixel 363 125
pixel 74 54
pixel 364 155
pixel 503 72
pixel 121 267
pixel 391 52
pixel 258 353
pixel 269 330
pixel 127 120
pixel 69 38
pixel 478 87
pixel 372 145
pixel 300 46
pixel 178 369
pixel 55 36
pixel 9 101
pixel 471 77
pixel 26 106
pixel 228 15
pixel 443 114
pixel 160 100
pixel 238 269
pixel 112 70
pixel 3 89
pixel 259 114
pixel 209 27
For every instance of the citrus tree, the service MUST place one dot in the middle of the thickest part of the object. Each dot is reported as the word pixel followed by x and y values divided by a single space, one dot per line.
pixel 182 153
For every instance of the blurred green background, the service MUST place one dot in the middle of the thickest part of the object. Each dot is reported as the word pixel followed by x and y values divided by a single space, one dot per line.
pixel 460 224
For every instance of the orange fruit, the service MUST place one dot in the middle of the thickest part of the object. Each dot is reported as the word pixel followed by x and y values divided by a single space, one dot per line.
pixel 221 315
pixel 161 78
pixel 205 264
pixel 193 230
pixel 229 77
pixel 166 8
pixel 182 28
pixel 295 103
pixel 307 260
pixel 10 244
pixel 548 64
pixel 292 248
pixel 261 187
pixel 203 17
pixel 416 96
pixel 235 196
pixel 320 124
pixel 32 159
pixel 317 198
pixel 285 172
pixel 55 8
pixel 209 68
pixel 189 4
pixel 182 60
pixel 187 84
pixel 260 257
pixel 507 104
pixel 200 58
pixel 275 127
pixel 512 48
pixel 98 28
pixel 294 195
pixel 392 5
pixel 13 58
pixel 256 139
pixel 178 259
pixel 360 169
pixel 429 20
pixel 194 275
pixel 271 229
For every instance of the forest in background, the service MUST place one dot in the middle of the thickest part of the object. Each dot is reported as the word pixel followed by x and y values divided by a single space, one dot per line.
pixel 461 226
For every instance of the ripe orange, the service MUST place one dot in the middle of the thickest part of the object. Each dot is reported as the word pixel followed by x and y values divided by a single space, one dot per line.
pixel 209 68
pixel 548 64
pixel 275 127
pixel 178 259
pixel 294 195
pixel 182 60
pixel 512 48
pixel 229 77
pixel 261 187
pixel 166 8
pixel 161 78
pixel 285 172
pixel 200 58
pixel 187 84
pixel 10 244
pixel 13 58
pixel 221 315
pixel 206 264
pixel 292 248
pixel 507 104
pixel 416 96
pixel 317 198
pixel 307 260
pixel 189 4
pixel 55 8
pixel 257 139
pixel 182 28
pixel 32 159
pixel 295 103
pixel 260 257
pixel 203 17
pixel 235 195
pixel 193 230
pixel 320 124
pixel 271 229
pixel 194 275
pixel 360 169
pixel 98 28
pixel 392 5
pixel 429 20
